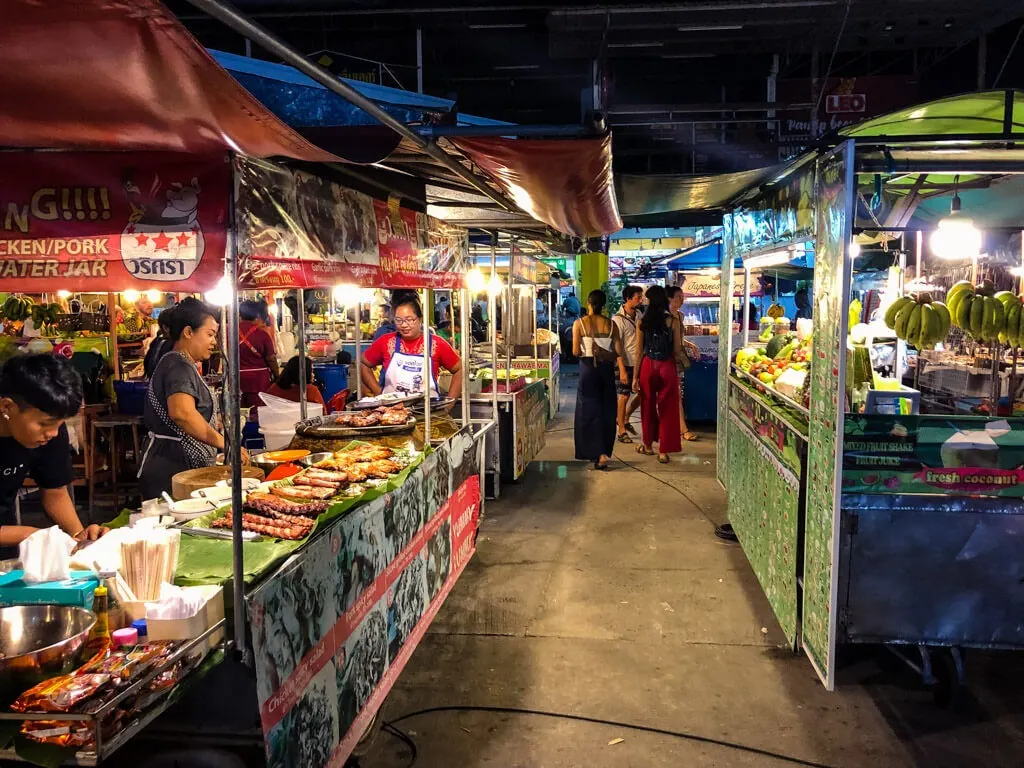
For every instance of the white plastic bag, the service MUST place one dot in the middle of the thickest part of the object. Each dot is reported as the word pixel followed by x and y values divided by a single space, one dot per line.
pixel 46 556
pixel 176 603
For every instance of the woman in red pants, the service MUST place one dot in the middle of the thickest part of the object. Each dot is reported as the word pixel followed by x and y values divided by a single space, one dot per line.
pixel 658 348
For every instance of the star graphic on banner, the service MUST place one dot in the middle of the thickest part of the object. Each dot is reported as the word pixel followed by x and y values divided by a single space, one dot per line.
pixel 183 238
pixel 161 241
pixel 141 240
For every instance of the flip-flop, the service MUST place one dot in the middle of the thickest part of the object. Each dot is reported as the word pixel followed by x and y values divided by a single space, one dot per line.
pixel 631 429
pixel 624 438
pixel 662 459
pixel 601 467
pixel 643 451
pixel 689 436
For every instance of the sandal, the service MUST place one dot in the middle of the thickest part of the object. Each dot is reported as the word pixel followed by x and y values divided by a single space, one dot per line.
pixel 601 467
pixel 624 438
pixel 643 450
pixel 631 429
pixel 662 458
pixel 689 436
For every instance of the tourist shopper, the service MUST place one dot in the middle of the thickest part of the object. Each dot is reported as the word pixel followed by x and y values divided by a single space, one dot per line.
pixel 595 341
pixel 690 353
pixel 626 321
pixel 658 348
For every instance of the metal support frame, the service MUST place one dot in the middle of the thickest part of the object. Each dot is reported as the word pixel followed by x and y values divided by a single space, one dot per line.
pixel 245 26
pixel 464 347
pixel 428 370
pixel 233 427
pixel 300 319
pixel 359 351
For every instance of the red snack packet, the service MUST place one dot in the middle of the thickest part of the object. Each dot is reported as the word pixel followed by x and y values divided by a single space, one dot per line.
pixel 60 694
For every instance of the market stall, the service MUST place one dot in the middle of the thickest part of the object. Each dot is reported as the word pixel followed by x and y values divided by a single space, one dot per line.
pixel 890 493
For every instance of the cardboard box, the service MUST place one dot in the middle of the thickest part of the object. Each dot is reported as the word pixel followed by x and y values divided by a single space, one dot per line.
pixel 76 591
pixel 192 627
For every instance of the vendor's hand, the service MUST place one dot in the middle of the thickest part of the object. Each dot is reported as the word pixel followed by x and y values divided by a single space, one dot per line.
pixel 91 533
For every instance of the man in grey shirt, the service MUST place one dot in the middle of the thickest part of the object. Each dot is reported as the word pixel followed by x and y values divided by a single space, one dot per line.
pixel 627 319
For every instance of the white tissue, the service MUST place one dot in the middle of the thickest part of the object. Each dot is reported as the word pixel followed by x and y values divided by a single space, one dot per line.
pixel 176 603
pixel 46 556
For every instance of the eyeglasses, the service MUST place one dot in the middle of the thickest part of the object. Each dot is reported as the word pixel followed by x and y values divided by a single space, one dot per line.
pixel 406 320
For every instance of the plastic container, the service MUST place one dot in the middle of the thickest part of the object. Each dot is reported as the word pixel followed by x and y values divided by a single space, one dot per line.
pixel 139 625
pixel 115 613
pixel 125 636
pixel 277 439
pixel 130 396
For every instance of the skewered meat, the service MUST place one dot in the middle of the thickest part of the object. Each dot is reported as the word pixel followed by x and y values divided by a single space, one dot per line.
pixel 381 468
pixel 279 529
pixel 268 504
pixel 356 472
pixel 303 493
pixel 394 418
pixel 318 482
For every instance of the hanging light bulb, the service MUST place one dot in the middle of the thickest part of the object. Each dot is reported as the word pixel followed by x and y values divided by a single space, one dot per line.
pixel 131 295
pixel 221 294
pixel 346 294
pixel 495 285
pixel 475 280
pixel 956 236
pixel 154 295
pixel 64 294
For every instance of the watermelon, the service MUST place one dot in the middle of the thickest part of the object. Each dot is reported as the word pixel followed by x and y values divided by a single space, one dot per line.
pixel 777 343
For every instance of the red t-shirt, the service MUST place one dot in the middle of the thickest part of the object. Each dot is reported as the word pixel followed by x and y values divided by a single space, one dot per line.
pixel 441 352
pixel 292 393
pixel 254 346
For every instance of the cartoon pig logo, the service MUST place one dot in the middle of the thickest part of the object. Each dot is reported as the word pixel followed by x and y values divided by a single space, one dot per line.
pixel 164 246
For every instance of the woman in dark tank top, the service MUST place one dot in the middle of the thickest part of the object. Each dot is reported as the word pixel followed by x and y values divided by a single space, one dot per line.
pixel 659 346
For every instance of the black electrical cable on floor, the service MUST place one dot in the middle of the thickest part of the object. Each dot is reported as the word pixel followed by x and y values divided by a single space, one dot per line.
pixel 405 738
pixel 599 721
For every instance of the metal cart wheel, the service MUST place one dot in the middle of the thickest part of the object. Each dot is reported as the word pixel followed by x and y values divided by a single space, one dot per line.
pixel 948 675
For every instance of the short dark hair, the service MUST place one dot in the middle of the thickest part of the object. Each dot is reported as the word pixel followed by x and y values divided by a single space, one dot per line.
pixel 630 291
pixel 164 319
pixel 596 300
pixel 671 291
pixel 290 375
pixel 408 300
pixel 249 311
pixel 48 383
pixel 189 313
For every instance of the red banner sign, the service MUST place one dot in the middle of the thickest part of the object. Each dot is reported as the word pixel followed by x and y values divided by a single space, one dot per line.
pixel 111 221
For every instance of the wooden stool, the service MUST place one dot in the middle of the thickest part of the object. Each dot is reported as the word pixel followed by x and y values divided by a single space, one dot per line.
pixel 109 425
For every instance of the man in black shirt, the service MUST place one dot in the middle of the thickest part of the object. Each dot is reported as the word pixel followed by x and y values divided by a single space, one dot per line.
pixel 38 394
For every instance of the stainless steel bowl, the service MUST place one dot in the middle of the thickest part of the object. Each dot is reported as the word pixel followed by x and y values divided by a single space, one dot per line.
pixel 315 458
pixel 38 642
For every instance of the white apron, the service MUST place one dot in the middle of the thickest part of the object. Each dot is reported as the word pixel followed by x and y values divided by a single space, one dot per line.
pixel 405 372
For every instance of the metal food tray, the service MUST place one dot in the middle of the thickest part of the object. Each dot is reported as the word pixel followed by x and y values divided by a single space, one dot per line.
pixel 103 749
pixel 358 406
pixel 436 406
pixel 322 427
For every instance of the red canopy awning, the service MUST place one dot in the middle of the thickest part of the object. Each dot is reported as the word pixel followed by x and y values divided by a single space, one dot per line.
pixel 126 75
pixel 565 183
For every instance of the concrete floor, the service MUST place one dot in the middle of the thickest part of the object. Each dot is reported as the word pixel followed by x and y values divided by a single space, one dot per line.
pixel 607 595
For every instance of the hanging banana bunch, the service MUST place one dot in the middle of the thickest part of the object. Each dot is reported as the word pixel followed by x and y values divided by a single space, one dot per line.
pixel 985 314
pixel 919 320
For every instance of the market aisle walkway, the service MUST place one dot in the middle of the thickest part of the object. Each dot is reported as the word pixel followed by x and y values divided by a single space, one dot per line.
pixel 607 595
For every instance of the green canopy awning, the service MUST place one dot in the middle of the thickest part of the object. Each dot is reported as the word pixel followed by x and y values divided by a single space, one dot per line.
pixel 969 114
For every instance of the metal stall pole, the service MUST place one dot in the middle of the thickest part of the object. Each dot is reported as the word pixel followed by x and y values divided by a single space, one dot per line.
pixel 233 429
pixel 533 314
pixel 464 347
pixel 428 371
pixel 300 320
pixel 359 352
pixel 745 310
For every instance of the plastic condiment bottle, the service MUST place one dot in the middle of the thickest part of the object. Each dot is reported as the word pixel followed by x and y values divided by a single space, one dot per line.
pixel 115 613
pixel 127 636
pixel 99 636
pixel 139 625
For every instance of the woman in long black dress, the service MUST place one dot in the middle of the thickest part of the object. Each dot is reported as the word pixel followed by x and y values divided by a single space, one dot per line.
pixel 595 341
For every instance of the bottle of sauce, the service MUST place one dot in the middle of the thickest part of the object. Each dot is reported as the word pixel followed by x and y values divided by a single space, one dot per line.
pixel 115 612
pixel 99 636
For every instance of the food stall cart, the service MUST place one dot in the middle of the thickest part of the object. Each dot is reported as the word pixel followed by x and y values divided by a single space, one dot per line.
pixel 889 504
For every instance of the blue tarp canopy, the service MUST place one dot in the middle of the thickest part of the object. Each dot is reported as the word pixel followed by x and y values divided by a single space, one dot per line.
pixel 302 102
pixel 704 256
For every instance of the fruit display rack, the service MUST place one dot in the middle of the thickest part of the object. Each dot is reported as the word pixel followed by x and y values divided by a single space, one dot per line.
pixel 745 379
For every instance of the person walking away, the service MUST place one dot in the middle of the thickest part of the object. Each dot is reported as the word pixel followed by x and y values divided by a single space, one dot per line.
pixel 658 348
pixel 180 410
pixel 690 353
pixel 595 341
pixel 257 358
pixel 160 346
pixel 626 320
pixel 571 305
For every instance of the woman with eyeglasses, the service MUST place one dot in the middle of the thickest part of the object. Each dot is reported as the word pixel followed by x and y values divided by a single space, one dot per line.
pixel 400 355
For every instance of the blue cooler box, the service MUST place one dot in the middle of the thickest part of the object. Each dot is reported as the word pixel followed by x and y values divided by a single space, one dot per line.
pixel 333 376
